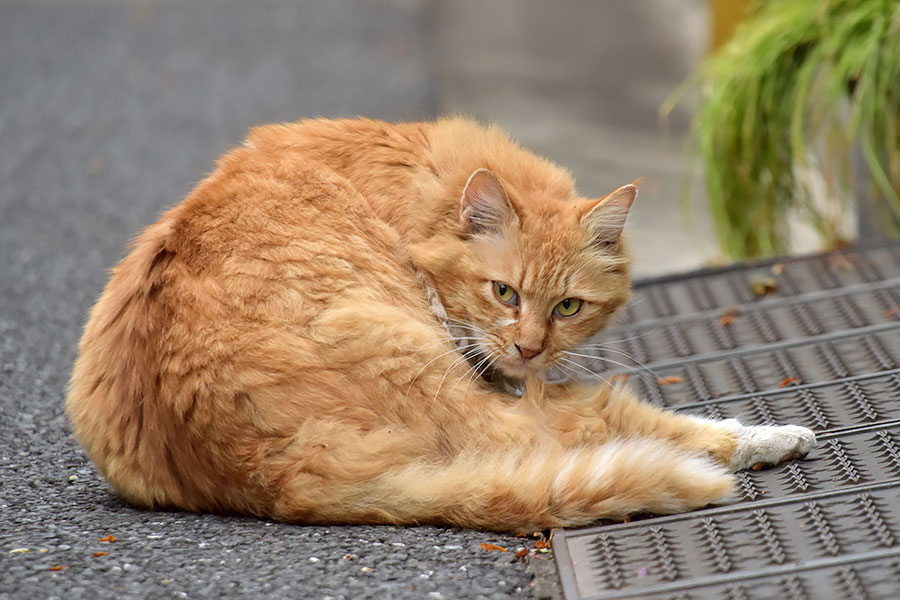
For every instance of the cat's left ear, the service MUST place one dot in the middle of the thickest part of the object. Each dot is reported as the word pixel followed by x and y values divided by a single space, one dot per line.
pixel 606 217
pixel 485 208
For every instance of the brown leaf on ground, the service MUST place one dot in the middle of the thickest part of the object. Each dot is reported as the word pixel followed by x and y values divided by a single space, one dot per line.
pixel 109 538
pixel 762 285
pixel 492 547
pixel 670 379
pixel 522 553
pixel 99 554
pixel 726 320
pixel 839 262
pixel 788 381
pixel 543 544
pixel 58 568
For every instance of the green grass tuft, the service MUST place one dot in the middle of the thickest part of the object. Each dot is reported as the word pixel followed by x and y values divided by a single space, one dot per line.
pixel 799 86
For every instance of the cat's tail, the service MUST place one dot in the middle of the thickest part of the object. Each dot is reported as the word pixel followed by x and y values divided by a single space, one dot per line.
pixel 532 489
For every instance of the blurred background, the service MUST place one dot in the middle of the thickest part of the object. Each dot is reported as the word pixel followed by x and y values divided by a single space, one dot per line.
pixel 111 110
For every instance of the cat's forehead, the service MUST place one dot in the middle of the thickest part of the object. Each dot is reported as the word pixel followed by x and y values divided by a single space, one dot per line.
pixel 542 262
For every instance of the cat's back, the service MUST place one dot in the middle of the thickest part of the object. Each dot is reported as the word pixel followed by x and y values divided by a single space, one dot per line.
pixel 219 296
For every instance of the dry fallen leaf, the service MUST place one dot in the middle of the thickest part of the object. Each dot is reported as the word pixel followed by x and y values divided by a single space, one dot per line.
pixel 543 544
pixel 726 320
pixel 492 547
pixel 762 285
pixel 788 381
pixel 839 262
pixel 670 379
pixel 58 568
pixel 521 553
pixel 99 554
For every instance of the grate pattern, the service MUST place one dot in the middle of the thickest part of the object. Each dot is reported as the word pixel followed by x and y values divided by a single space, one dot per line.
pixel 732 286
pixel 822 351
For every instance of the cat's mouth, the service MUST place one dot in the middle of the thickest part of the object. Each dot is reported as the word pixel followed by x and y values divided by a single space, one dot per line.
pixel 509 376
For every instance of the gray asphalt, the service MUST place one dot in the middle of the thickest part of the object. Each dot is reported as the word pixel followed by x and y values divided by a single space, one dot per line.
pixel 109 112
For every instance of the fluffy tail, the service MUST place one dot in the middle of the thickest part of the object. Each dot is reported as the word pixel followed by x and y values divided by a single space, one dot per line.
pixel 523 491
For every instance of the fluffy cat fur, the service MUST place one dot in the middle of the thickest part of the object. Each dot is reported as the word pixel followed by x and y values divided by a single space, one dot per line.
pixel 303 338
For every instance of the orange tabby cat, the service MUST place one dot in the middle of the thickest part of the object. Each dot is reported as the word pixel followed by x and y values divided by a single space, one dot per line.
pixel 304 338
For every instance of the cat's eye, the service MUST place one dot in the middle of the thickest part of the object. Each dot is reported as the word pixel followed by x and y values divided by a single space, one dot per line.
pixel 505 293
pixel 568 307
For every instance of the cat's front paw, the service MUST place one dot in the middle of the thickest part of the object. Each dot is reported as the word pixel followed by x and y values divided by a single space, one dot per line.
pixel 761 446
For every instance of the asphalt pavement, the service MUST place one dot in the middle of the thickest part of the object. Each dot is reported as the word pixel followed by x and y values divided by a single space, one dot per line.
pixel 108 113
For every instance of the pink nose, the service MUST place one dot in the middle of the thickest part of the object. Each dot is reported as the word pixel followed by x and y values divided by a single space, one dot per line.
pixel 528 352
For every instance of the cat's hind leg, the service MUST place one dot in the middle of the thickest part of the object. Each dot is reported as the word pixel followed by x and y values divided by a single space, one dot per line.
pixel 514 489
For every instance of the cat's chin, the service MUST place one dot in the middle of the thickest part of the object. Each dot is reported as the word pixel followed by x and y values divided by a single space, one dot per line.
pixel 517 370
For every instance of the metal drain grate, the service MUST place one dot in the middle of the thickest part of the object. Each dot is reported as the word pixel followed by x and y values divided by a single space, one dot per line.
pixel 822 351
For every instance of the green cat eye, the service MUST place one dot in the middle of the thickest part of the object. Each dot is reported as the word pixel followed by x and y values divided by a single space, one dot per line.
pixel 568 307
pixel 505 293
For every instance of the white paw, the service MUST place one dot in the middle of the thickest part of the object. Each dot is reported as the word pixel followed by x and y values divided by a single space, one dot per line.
pixel 764 445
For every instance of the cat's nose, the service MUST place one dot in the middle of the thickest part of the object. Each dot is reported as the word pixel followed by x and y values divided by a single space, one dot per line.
pixel 528 352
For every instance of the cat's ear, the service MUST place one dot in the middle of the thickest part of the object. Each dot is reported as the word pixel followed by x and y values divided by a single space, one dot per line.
pixel 485 207
pixel 606 217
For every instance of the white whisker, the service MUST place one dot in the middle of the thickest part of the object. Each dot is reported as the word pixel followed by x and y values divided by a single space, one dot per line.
pixel 466 356
pixel 627 355
pixel 582 367
pixel 467 347
pixel 600 358
pixel 484 370
pixel 473 368
pixel 448 339
pixel 626 339
pixel 567 371
pixel 475 372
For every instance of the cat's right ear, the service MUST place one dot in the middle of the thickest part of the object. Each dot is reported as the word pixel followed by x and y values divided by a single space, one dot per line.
pixel 485 208
pixel 606 217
